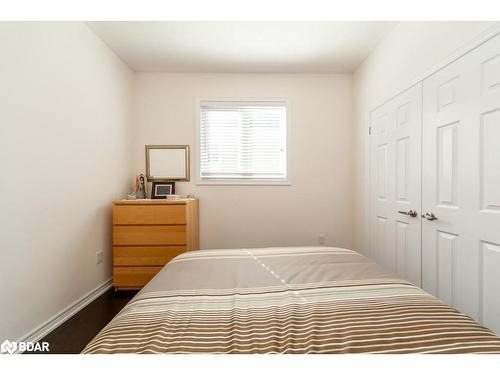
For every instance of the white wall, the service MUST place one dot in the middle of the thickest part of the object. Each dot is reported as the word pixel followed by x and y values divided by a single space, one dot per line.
pixel 64 142
pixel 409 51
pixel 319 200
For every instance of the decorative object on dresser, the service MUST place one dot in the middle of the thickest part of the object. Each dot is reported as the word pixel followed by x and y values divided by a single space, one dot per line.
pixel 161 190
pixel 140 187
pixel 149 233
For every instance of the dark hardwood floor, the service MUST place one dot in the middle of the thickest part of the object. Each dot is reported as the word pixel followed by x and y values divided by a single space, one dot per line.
pixel 72 336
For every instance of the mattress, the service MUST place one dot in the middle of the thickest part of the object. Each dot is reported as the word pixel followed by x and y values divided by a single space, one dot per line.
pixel 286 300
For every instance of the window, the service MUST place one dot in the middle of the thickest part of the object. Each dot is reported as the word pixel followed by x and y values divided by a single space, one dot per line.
pixel 243 141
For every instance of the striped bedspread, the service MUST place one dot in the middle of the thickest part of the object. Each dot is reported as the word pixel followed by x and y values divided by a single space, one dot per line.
pixel 286 300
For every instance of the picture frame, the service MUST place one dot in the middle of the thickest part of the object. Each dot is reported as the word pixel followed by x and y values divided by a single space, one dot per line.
pixel 167 162
pixel 161 189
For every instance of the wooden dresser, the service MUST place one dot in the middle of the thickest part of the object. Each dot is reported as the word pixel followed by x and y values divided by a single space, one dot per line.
pixel 147 233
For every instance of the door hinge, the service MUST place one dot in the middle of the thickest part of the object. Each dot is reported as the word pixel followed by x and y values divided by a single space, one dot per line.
pixel 369 130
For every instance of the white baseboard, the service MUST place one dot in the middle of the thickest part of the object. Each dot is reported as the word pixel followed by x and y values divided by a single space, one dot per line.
pixel 51 324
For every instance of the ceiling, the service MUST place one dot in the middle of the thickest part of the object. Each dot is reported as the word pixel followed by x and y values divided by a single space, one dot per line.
pixel 242 47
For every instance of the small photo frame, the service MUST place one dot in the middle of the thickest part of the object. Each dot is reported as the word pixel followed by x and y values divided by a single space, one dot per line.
pixel 160 190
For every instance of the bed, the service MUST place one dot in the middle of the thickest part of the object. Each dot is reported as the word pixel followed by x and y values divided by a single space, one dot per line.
pixel 286 300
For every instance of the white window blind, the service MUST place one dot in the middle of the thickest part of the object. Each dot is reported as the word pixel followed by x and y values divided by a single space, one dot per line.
pixel 243 141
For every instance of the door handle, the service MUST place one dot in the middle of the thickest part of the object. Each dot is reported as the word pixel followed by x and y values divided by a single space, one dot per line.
pixel 429 216
pixel 411 213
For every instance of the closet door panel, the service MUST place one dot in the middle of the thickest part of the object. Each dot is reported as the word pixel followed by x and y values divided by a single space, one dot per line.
pixel 485 66
pixel 461 184
pixel 449 255
pixel 395 176
pixel 381 155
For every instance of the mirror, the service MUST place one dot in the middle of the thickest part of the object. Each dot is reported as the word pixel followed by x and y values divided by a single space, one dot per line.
pixel 167 162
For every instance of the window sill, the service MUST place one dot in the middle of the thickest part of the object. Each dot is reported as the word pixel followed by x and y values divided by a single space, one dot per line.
pixel 242 183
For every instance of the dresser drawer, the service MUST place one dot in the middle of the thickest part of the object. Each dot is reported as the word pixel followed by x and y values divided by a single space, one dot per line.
pixel 133 277
pixel 145 255
pixel 149 235
pixel 149 214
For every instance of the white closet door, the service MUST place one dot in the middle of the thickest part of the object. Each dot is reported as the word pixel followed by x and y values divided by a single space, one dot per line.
pixel 395 190
pixel 461 184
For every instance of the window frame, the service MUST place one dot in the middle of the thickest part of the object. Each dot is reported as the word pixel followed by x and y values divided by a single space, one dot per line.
pixel 247 181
